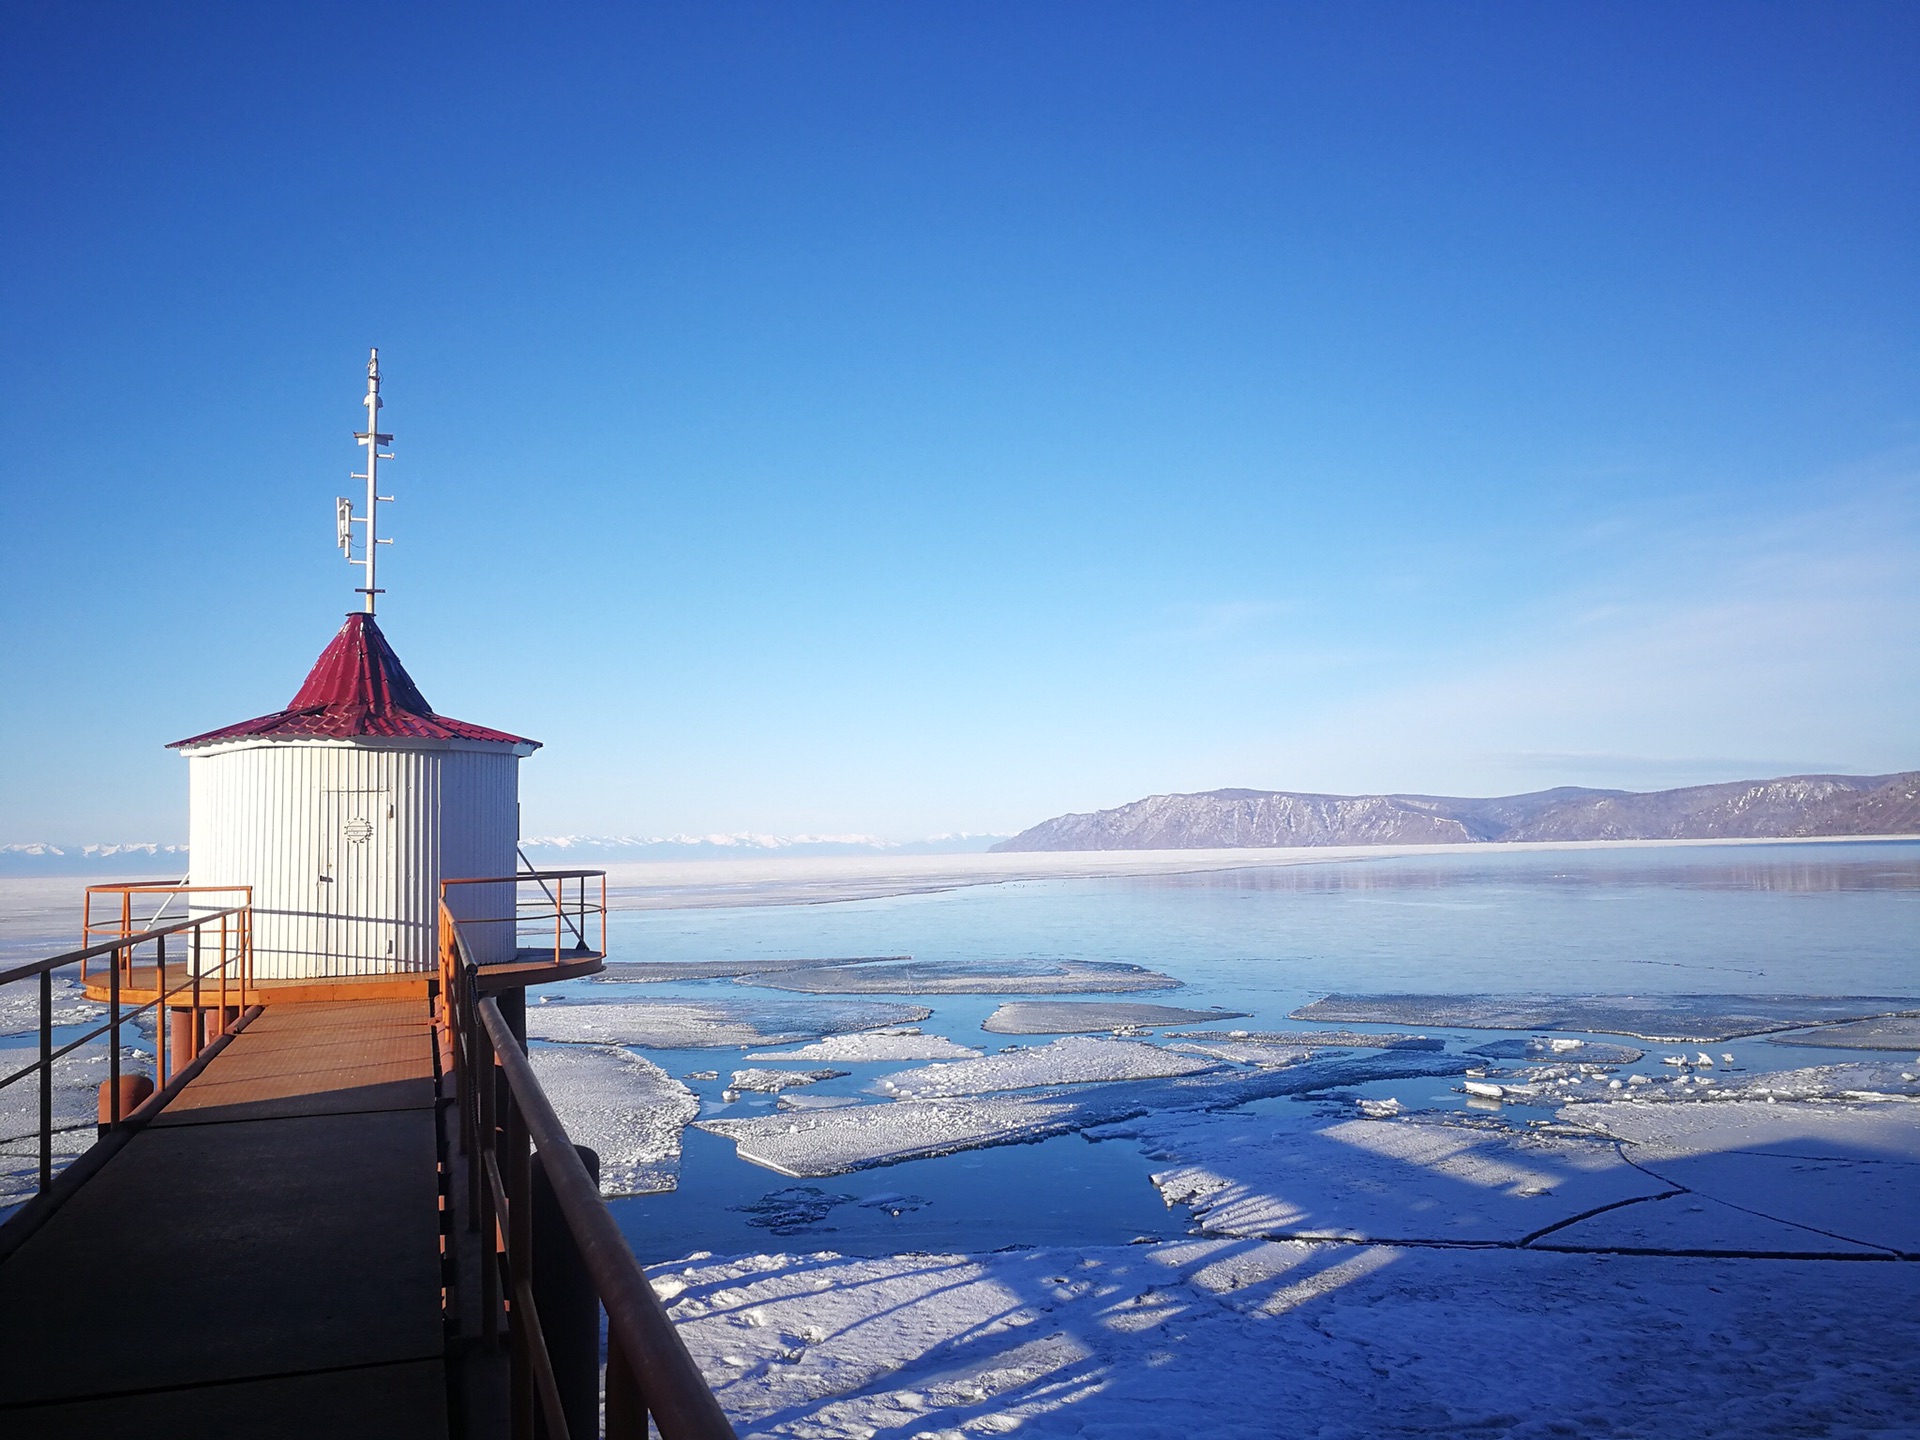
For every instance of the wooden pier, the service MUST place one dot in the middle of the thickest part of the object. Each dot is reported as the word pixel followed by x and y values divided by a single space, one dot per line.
pixel 263 1257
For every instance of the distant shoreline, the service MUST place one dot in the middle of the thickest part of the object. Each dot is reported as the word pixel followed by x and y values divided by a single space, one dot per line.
pixel 798 880
pixel 30 903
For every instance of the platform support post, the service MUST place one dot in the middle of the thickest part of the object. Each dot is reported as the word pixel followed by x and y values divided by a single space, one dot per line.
pixel 569 1309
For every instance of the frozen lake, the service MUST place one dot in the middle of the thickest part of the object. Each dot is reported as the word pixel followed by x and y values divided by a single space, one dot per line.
pixel 1815 919
pixel 1053 1153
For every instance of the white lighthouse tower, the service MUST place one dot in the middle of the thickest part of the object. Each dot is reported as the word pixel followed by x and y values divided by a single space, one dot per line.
pixel 346 810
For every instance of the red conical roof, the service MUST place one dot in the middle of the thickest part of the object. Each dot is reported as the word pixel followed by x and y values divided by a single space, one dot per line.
pixel 357 687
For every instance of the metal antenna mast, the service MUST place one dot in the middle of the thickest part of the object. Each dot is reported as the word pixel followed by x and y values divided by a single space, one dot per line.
pixel 343 508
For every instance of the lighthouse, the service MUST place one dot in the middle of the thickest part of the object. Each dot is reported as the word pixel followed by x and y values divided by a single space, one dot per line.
pixel 345 810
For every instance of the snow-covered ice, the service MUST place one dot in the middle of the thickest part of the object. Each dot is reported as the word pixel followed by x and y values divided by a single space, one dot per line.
pixel 875 1045
pixel 622 1106
pixel 1241 1339
pixel 1069 1017
pixel 1701 1018
pixel 703 1024
pixel 654 972
pixel 1546 1047
pixel 1071 1060
pixel 968 977
pixel 1434 1177
pixel 1245 1052
pixel 20 1005
pixel 1851 1170
pixel 1686 1223
pixel 771 1082
pixel 1886 1032
pixel 833 1142
pixel 1331 1039
pixel 76 1114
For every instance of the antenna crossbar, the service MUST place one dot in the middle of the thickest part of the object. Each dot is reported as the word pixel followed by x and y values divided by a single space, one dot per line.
pixel 370 542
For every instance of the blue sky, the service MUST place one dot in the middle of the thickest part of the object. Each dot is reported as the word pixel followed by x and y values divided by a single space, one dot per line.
pixel 826 418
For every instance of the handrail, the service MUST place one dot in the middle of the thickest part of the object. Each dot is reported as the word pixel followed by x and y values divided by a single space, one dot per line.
pixel 234 935
pixel 648 1368
pixel 88 952
pixel 564 914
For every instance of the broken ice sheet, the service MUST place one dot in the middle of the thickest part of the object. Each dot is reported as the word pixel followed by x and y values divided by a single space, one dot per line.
pixel 1244 1340
pixel 703 1024
pixel 771 1082
pixel 968 977
pixel 875 1045
pixel 1329 1039
pixel 623 1107
pixel 1590 1052
pixel 1245 1052
pixel 20 1006
pixel 654 972
pixel 800 1209
pixel 1676 1018
pixel 76 1113
pixel 1071 1060
pixel 1887 1032
pixel 832 1142
pixel 1851 1169
pixel 1069 1017
pixel 1865 1079
pixel 1696 1224
pixel 1421 1177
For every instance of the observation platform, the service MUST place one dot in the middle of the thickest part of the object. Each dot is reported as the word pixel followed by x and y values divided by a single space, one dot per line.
pixel 538 966
pixel 264 1257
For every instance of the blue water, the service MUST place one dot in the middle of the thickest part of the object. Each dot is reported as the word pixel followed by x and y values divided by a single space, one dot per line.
pixel 1831 919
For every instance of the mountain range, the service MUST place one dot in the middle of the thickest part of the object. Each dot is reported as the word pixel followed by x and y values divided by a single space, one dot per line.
pixel 1794 805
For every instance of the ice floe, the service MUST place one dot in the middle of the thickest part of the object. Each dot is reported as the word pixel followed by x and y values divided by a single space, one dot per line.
pixel 1885 1032
pixel 1867 1079
pixel 1071 1060
pixel 1330 1039
pixel 1689 1224
pixel 706 1024
pixel 76 1113
pixel 622 1106
pixel 1851 1170
pixel 20 1005
pixel 1247 1340
pixel 1423 1177
pixel 967 977
pixel 1245 1052
pixel 881 1045
pixel 653 972
pixel 771 1082
pixel 1543 1047
pixel 1649 1017
pixel 804 1209
pixel 1068 1017
pixel 832 1142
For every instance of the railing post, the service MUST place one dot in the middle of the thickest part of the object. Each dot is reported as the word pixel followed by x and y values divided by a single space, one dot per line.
pixel 487 1091
pixel 520 1270
pixel 113 1019
pixel 46 1078
pixel 569 1308
pixel 626 1406
pixel 160 1025
pixel 200 1036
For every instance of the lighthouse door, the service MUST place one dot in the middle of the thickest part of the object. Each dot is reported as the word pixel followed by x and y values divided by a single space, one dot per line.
pixel 357 881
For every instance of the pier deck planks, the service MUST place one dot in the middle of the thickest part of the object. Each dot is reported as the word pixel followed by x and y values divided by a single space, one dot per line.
pixel 262 1258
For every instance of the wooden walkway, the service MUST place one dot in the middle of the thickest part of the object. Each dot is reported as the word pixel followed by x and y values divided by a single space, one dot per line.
pixel 262 1259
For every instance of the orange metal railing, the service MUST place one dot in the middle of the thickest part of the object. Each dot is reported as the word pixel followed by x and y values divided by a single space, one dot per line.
pixel 212 980
pixel 507 1127
pixel 566 914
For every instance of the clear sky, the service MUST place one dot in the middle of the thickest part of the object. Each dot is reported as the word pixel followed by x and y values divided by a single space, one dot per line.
pixel 899 419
